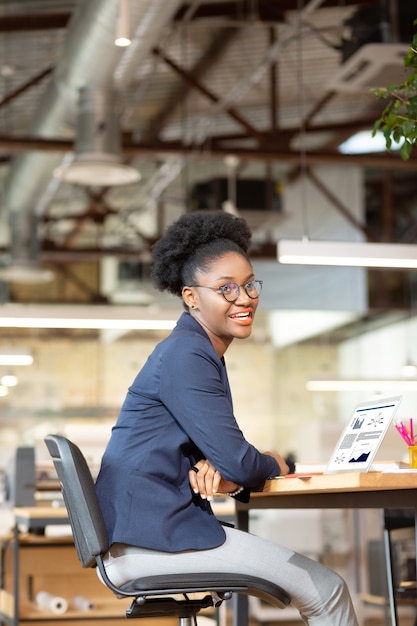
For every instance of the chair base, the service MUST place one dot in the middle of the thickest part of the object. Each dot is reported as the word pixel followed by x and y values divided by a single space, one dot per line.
pixel 169 607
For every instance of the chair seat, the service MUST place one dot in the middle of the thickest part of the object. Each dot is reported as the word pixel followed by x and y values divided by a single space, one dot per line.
pixel 224 584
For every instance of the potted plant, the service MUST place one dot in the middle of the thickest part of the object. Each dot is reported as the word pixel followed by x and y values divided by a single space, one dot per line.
pixel 398 121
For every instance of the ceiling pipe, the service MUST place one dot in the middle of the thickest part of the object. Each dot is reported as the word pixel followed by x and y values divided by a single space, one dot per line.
pixel 98 160
pixel 89 57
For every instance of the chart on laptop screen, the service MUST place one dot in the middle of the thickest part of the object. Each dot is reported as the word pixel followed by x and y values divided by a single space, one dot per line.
pixel 362 436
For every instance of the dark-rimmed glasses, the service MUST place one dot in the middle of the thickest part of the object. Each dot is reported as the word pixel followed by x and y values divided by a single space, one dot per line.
pixel 231 291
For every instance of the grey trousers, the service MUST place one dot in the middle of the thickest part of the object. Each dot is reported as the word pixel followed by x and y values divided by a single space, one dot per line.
pixel 320 595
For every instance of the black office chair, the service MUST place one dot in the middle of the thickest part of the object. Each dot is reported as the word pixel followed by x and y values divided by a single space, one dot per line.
pixel 153 596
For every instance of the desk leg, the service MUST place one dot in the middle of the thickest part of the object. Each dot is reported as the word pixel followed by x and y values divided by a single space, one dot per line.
pixel 390 577
pixel 16 576
pixel 240 602
pixel 415 538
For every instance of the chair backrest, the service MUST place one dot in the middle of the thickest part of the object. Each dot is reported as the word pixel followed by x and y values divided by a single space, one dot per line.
pixel 77 485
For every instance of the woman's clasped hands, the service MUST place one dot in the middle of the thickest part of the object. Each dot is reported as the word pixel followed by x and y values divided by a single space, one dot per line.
pixel 207 482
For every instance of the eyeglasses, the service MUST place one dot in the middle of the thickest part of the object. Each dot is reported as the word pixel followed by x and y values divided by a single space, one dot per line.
pixel 231 291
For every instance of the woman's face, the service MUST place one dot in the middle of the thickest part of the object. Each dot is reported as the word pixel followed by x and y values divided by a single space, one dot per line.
pixel 222 320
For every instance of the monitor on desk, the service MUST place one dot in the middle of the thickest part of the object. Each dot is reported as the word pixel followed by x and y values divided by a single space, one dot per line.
pixel 362 436
pixel 20 477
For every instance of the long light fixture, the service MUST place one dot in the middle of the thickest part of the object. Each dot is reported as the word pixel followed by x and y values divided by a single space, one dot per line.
pixel 340 253
pixel 361 385
pixel 16 358
pixel 83 323
pixel 84 317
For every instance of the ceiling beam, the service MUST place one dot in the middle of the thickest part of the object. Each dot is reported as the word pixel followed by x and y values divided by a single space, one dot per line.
pixel 263 10
pixel 282 136
pixel 30 83
pixel 25 23
pixel 210 95
pixel 62 256
pixel 212 55
pixel 384 161
pixel 338 204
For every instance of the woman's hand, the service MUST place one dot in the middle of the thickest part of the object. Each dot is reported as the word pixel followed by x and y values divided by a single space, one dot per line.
pixel 208 481
pixel 281 462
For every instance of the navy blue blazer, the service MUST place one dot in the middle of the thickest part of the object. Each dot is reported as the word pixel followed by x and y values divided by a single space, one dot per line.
pixel 177 411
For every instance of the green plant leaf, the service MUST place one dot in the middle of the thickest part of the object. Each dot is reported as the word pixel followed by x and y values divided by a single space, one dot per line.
pixel 398 120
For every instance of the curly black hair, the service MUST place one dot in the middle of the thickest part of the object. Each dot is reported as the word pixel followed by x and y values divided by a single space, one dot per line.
pixel 191 243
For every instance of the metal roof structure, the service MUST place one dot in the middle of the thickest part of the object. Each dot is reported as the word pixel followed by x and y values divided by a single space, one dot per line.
pixel 211 95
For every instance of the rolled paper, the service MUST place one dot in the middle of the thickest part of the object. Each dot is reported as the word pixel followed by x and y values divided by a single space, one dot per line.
pixel 48 602
pixel 79 603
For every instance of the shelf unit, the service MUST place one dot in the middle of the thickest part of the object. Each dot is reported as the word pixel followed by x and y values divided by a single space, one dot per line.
pixel 32 562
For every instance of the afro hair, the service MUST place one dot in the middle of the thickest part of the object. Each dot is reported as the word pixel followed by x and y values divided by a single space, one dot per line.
pixel 193 241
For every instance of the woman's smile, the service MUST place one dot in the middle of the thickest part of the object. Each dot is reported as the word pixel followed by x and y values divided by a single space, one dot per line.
pixel 243 317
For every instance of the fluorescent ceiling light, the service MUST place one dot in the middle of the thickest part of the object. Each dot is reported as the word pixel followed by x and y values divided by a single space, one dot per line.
pixel 9 380
pixel 84 323
pixel 364 142
pixel 358 254
pixel 16 359
pixel 84 317
pixel 361 385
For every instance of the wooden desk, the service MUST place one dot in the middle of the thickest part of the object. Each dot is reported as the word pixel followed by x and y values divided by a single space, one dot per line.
pixel 372 490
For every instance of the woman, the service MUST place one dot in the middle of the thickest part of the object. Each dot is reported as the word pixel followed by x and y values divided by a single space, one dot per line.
pixel 176 442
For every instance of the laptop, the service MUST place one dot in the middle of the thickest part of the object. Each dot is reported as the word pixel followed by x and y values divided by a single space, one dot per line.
pixel 362 436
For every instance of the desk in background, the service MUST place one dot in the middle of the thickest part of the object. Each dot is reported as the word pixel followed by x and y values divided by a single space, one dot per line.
pixel 32 562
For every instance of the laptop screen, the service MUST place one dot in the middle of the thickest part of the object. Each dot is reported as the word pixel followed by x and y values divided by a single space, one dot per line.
pixel 363 435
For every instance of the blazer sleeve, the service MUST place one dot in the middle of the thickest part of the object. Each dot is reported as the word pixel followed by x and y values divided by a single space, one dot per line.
pixel 194 388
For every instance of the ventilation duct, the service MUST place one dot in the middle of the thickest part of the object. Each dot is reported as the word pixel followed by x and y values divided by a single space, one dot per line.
pixel 372 66
pixel 98 159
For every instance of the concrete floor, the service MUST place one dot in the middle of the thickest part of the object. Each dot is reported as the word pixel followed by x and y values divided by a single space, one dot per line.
pixel 372 617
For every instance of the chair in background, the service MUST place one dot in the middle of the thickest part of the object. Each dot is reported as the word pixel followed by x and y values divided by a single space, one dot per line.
pixel 152 596
pixel 394 519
